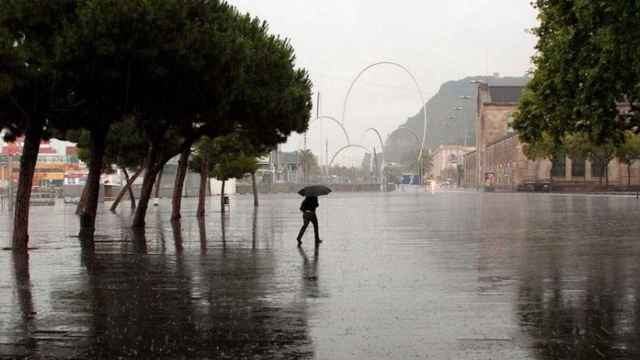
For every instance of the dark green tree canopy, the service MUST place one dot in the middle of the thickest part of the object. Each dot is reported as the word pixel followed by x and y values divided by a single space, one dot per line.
pixel 233 159
pixel 126 146
pixel 586 76
pixel 30 86
pixel 275 97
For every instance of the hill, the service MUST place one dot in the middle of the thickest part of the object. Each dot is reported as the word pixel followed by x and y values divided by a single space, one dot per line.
pixel 445 125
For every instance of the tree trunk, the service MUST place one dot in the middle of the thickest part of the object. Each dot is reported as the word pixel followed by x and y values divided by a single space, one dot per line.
pixel 606 174
pixel 132 197
pixel 629 174
pixel 181 172
pixel 150 171
pixel 82 203
pixel 255 189
pixel 128 187
pixel 159 182
pixel 222 196
pixel 204 176
pixel 30 150
pixel 88 213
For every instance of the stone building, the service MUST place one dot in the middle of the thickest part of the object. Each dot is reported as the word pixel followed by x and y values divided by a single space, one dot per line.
pixel 447 157
pixel 499 162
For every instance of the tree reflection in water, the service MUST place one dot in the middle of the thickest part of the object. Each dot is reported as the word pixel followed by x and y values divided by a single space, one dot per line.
pixel 141 302
pixel 579 296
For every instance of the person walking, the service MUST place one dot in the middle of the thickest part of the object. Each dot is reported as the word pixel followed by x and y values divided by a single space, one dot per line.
pixel 308 208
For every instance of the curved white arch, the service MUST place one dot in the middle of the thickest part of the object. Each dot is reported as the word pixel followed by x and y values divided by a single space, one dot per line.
pixel 345 148
pixel 378 135
pixel 415 82
pixel 344 130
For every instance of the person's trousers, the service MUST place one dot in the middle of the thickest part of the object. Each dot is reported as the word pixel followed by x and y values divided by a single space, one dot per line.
pixel 309 217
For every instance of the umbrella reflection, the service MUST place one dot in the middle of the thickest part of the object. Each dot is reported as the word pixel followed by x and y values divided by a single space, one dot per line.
pixel 310 274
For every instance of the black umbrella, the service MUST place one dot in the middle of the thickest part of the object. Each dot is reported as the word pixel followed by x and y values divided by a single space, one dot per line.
pixel 315 190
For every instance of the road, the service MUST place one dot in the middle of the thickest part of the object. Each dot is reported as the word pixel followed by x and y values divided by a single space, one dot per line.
pixel 398 276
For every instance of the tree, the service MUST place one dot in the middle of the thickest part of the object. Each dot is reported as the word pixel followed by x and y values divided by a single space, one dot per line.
pixel 629 152
pixel 420 165
pixel 542 148
pixel 201 162
pixel 585 71
pixel 196 70
pixel 125 149
pixel 308 162
pixel 581 146
pixel 231 162
pixel 30 88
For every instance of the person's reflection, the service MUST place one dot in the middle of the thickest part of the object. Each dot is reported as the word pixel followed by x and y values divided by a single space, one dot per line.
pixel 176 226
pixel 25 298
pixel 310 279
pixel 202 229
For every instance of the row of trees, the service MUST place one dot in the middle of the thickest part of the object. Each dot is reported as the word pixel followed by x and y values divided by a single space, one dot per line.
pixel 584 96
pixel 139 82
pixel 582 146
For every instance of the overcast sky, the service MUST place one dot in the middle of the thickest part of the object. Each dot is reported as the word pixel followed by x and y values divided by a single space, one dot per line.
pixel 438 40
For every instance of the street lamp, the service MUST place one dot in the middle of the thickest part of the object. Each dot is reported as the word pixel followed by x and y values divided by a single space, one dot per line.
pixel 479 149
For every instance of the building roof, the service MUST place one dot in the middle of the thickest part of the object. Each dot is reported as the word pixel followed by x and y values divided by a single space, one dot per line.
pixel 505 94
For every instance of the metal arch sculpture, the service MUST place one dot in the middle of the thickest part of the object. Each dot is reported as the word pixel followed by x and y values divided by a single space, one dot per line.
pixel 344 130
pixel 345 148
pixel 415 81
pixel 378 135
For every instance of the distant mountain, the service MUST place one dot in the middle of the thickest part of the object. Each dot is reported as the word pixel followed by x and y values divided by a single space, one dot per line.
pixel 441 129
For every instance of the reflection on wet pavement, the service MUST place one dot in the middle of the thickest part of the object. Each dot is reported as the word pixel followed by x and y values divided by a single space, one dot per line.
pixel 398 276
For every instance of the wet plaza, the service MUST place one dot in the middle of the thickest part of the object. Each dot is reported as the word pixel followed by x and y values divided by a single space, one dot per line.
pixel 398 276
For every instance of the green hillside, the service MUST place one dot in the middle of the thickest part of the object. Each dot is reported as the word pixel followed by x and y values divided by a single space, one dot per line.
pixel 440 128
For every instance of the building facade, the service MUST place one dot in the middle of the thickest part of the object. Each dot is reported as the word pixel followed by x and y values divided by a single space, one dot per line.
pixel 447 157
pixel 499 161
pixel 50 167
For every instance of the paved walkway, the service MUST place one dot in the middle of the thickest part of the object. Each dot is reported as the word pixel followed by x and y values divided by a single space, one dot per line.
pixel 399 276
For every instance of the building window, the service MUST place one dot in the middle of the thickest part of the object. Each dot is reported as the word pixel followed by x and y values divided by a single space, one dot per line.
pixel 558 166
pixel 577 167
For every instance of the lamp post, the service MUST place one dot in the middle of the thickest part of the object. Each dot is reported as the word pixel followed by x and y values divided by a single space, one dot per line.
pixel 479 149
pixel 464 116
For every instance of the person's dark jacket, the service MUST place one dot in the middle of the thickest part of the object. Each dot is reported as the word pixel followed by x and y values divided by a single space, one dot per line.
pixel 309 204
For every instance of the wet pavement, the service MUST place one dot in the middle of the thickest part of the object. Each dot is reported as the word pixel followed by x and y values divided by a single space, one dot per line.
pixel 399 276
